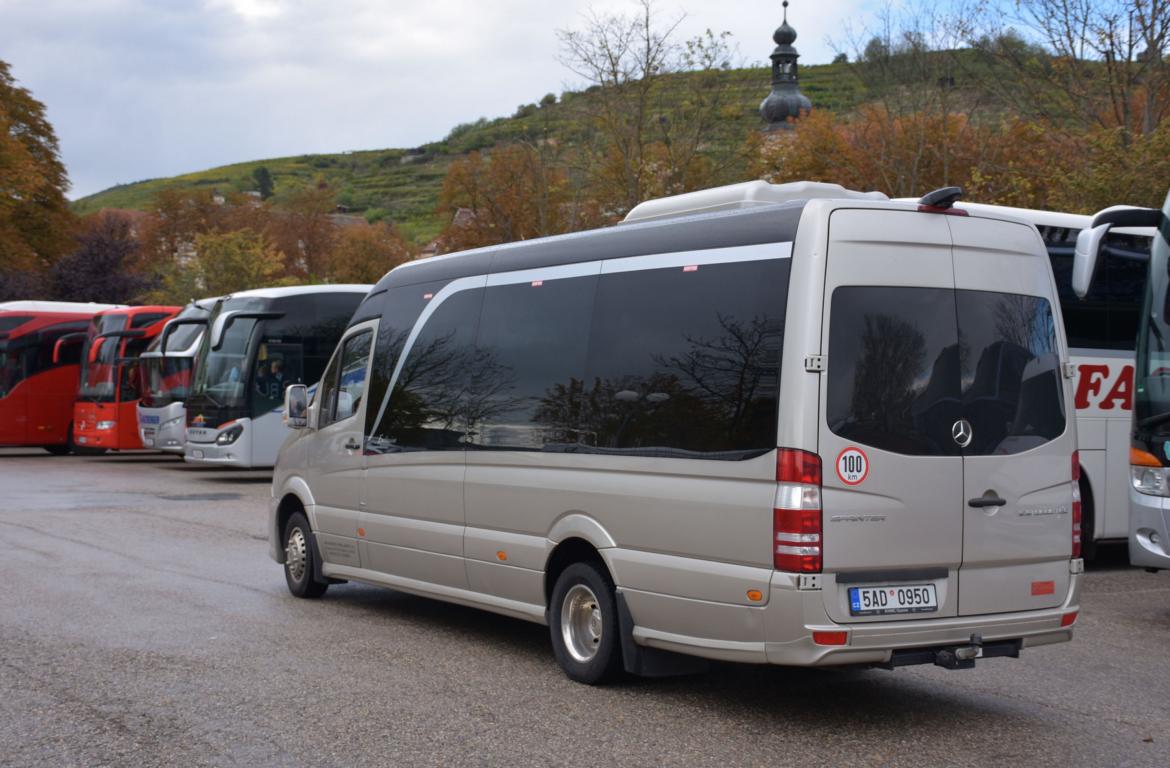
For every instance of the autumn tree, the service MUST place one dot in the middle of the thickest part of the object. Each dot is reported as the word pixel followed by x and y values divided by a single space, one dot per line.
pixel 230 261
pixel 365 252
pixel 1102 63
pixel 1009 162
pixel 514 193
pixel 35 222
pixel 105 265
pixel 305 230
pixel 640 150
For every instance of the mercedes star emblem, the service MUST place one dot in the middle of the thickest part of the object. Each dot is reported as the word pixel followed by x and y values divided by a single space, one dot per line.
pixel 961 432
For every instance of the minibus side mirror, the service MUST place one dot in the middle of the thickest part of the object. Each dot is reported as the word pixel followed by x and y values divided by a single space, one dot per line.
pixel 296 406
pixel 1088 251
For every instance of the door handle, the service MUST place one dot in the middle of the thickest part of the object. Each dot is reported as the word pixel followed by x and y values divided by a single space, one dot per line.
pixel 986 500
pixel 353 445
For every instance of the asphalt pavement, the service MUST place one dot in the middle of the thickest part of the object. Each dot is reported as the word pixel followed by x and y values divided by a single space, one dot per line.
pixel 142 623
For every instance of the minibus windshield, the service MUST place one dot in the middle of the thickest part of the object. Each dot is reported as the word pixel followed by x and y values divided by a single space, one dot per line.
pixel 1152 373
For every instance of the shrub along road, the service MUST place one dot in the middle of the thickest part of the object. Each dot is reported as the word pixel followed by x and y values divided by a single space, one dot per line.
pixel 142 623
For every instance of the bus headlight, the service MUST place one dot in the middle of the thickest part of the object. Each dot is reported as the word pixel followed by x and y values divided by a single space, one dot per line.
pixel 229 436
pixel 1152 481
pixel 171 422
pixel 104 425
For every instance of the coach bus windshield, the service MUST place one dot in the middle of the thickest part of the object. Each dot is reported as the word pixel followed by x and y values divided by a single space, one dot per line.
pixel 99 382
pixel 1152 376
pixel 221 375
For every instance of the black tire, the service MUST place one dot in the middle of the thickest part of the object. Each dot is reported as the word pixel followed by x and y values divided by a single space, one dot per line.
pixel 57 450
pixel 1088 522
pixel 300 570
pixel 585 590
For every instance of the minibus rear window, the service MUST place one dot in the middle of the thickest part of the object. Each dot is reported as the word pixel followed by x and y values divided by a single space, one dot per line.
pixel 905 364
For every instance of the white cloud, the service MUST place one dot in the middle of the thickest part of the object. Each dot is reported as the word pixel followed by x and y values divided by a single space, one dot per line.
pixel 146 88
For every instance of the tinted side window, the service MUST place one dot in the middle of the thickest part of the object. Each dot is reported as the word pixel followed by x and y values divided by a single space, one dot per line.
pixel 428 408
pixel 525 388
pixel 401 308
pixel 1108 317
pixel 894 368
pixel 355 355
pixel 1013 393
pixel 684 362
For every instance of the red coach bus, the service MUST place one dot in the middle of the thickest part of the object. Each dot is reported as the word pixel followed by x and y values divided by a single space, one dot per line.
pixel 105 415
pixel 40 349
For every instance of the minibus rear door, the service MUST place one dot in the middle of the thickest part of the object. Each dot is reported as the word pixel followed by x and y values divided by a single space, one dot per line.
pixel 892 473
pixel 1018 461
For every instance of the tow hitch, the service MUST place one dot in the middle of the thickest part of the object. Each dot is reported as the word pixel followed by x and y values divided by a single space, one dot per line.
pixel 955 656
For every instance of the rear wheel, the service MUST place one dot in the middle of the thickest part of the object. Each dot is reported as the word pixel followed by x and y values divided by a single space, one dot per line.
pixel 584 624
pixel 299 568
pixel 1088 523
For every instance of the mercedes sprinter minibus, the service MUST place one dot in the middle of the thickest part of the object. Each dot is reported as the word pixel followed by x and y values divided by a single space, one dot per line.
pixel 783 424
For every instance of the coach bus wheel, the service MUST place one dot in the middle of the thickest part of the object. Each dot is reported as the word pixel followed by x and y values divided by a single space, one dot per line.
pixel 584 626
pixel 299 568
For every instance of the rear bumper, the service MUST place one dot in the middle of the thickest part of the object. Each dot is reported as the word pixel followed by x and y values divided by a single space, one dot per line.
pixel 781 632
pixel 1149 530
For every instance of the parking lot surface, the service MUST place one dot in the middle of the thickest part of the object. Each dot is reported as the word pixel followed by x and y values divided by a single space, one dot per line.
pixel 142 623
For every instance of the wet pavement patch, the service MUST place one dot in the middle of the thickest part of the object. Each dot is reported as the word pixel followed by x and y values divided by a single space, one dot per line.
pixel 202 496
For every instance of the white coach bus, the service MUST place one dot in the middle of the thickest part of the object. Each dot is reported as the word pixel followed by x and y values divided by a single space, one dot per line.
pixel 257 343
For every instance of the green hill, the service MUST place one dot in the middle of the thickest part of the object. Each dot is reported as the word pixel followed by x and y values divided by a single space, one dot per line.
pixel 402 185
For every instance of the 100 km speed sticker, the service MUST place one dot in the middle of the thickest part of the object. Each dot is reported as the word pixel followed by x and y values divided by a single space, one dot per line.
pixel 852 466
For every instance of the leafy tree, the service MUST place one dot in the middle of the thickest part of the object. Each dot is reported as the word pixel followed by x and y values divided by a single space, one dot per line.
pixel 235 261
pixel 640 150
pixel 366 252
pixel 264 184
pixel 305 231
pixel 35 222
pixel 518 192
pixel 102 268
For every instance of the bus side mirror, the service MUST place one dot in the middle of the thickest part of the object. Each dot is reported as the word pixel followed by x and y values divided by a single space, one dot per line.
pixel 296 406
pixel 64 341
pixel 1088 251
pixel 95 348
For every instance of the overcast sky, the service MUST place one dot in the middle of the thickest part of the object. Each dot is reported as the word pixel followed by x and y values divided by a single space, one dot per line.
pixel 140 89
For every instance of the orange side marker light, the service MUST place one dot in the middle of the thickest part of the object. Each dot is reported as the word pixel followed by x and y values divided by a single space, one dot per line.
pixel 755 595
pixel 502 555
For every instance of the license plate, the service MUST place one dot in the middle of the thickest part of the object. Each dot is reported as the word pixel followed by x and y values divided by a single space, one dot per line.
pixel 197 454
pixel 148 442
pixel 914 598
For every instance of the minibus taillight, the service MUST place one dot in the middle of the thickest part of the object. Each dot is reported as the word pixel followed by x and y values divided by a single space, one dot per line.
pixel 1076 504
pixel 796 515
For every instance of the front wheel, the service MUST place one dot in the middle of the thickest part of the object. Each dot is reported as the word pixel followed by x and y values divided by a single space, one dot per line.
pixel 299 567
pixel 584 624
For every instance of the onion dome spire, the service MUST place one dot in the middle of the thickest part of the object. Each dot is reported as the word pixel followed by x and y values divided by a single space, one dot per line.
pixel 785 103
